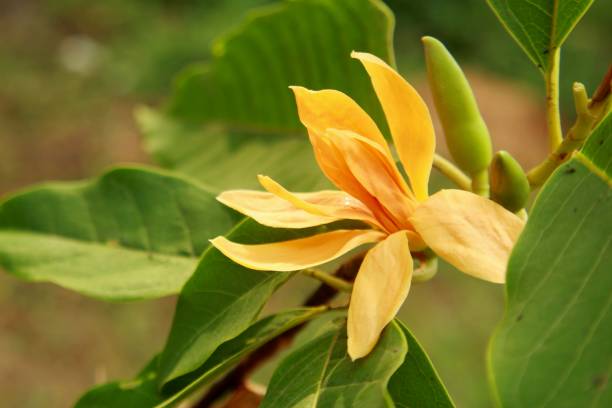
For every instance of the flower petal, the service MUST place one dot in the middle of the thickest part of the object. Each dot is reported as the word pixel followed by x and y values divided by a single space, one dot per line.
pixel 329 108
pixel 408 118
pixel 270 210
pixel 381 286
pixel 298 253
pixel 374 175
pixel 470 232
pixel 334 204
pixel 334 166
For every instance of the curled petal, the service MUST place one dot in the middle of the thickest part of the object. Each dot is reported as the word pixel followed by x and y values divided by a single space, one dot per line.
pixel 333 164
pixel 270 210
pixel 296 254
pixel 332 204
pixel 408 118
pixel 374 175
pixel 470 232
pixel 328 108
pixel 381 286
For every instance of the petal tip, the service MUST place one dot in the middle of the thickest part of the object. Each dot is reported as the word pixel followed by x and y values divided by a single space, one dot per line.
pixel 356 352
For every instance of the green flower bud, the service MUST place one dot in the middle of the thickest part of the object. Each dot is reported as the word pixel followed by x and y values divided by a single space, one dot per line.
pixel 509 184
pixel 466 133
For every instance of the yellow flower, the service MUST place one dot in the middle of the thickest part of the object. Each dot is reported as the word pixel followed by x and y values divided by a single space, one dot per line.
pixel 472 233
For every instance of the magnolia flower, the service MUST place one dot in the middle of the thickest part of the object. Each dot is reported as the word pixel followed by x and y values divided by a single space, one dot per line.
pixel 470 232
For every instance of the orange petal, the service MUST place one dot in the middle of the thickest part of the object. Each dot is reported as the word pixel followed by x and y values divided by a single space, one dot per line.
pixel 470 232
pixel 335 204
pixel 374 175
pixel 298 253
pixel 268 209
pixel 381 286
pixel 329 108
pixel 334 166
pixel 408 118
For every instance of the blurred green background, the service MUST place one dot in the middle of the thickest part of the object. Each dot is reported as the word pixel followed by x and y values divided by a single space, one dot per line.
pixel 71 73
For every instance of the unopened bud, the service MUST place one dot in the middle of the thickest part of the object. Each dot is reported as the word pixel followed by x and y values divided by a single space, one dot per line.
pixel 466 133
pixel 509 184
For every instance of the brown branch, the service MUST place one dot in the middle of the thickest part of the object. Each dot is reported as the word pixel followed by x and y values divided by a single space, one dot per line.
pixel 603 90
pixel 237 376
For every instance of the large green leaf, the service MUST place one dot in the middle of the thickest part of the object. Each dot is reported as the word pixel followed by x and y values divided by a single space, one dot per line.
pixel 143 391
pixel 132 233
pixel 221 300
pixel 237 109
pixel 416 383
pixel 539 26
pixel 321 374
pixel 553 347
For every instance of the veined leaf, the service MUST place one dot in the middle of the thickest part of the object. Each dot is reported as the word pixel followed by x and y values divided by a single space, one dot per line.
pixel 416 383
pixel 321 374
pixel 238 109
pixel 223 159
pixel 133 233
pixel 553 347
pixel 539 26
pixel 143 391
pixel 221 300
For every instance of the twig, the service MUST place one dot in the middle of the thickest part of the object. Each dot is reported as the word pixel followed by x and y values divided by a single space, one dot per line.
pixel 452 172
pixel 573 141
pixel 236 377
pixel 339 284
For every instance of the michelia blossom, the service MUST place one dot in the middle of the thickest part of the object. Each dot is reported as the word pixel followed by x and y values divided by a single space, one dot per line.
pixel 470 232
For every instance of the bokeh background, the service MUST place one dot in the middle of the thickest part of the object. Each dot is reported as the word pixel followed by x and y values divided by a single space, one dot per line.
pixel 71 74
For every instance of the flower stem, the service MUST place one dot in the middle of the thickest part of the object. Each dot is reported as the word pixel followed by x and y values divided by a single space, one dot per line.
pixel 480 183
pixel 553 115
pixel 585 119
pixel 452 172
pixel 330 280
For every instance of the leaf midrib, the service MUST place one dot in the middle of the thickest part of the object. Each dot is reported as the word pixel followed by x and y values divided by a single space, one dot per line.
pixel 114 245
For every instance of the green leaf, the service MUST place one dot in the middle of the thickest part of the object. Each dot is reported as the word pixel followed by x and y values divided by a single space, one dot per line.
pixel 231 351
pixel 143 391
pixel 133 233
pixel 221 300
pixel 223 159
pixel 237 108
pixel 416 383
pixel 539 26
pixel 138 393
pixel 321 374
pixel 553 347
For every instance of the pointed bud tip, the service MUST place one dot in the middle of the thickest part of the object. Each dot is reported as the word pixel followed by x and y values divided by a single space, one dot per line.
pixel 426 39
pixel 429 42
